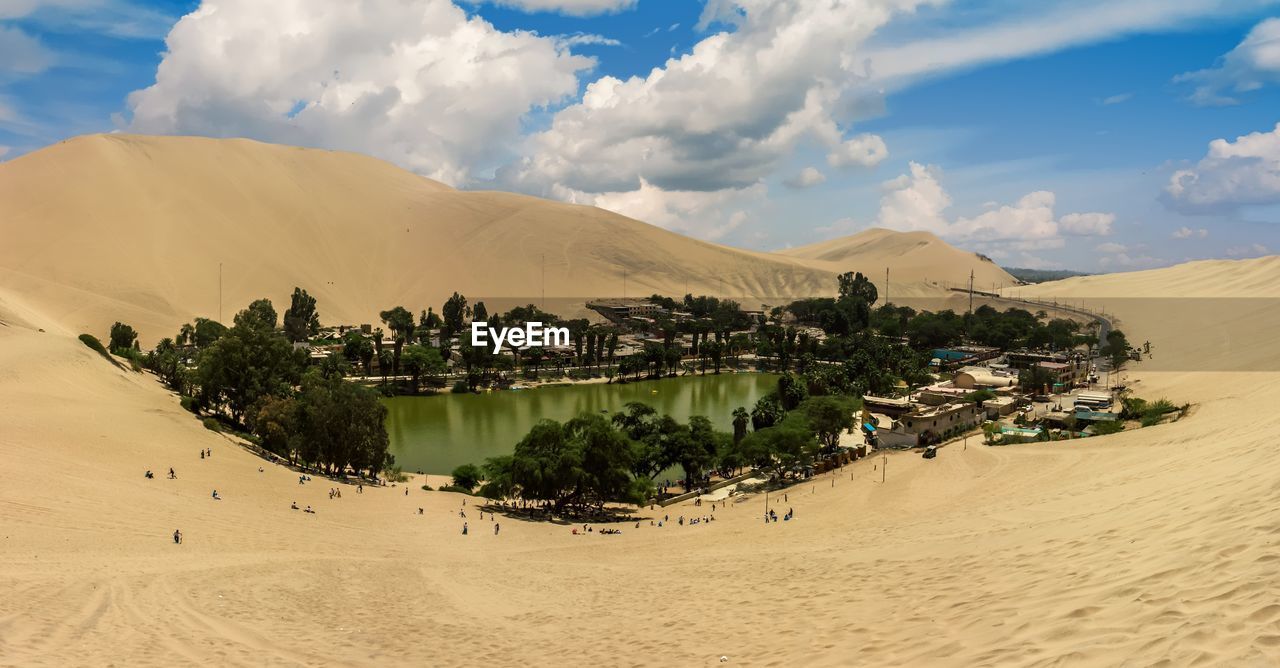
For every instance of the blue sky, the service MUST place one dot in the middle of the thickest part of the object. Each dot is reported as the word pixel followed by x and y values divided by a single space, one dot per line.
pixel 1055 134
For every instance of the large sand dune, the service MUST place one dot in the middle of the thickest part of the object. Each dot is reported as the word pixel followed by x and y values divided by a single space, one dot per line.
pixel 119 227
pixel 912 257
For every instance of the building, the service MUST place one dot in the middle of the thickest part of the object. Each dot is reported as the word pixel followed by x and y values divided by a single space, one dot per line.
pixel 893 408
pixel 939 421
pixel 979 378
pixel 618 310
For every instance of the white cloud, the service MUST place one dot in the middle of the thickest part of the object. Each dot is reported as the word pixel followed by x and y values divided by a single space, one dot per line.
pixel 1254 63
pixel 711 215
pixel 22 54
pixel 1248 250
pixel 1087 224
pixel 420 84
pixel 1116 99
pixel 1232 174
pixel 723 116
pixel 570 7
pixel 1125 261
pixel 807 178
pixel 114 18
pixel 1187 233
pixel 582 38
pixel 864 150
pixel 1110 248
pixel 917 201
pixel 1038 28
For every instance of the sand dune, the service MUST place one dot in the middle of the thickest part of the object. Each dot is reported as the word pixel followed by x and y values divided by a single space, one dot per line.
pixel 912 258
pixel 118 227
pixel 1157 546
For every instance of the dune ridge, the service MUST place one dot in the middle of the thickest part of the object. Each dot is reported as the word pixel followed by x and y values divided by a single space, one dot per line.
pixel 135 228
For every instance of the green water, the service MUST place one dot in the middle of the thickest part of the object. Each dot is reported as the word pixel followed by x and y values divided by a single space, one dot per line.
pixel 437 433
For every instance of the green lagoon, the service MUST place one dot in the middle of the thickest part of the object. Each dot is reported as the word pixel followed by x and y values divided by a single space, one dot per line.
pixel 437 433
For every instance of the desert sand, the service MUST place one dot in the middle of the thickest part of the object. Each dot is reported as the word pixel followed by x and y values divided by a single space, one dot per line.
pixel 133 228
pixel 1156 546
pixel 912 258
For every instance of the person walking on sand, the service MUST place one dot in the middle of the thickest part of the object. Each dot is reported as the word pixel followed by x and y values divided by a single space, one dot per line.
pixel 177 536
pixel 202 454
pixel 172 475
pixel 464 528
pixel 496 527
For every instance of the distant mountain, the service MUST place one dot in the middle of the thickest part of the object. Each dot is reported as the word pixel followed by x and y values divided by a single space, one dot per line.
pixel 1042 275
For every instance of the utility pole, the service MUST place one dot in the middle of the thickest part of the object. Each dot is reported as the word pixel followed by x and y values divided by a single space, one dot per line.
pixel 971 291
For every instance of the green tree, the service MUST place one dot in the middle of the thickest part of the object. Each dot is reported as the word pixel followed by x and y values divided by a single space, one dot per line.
pixel 828 417
pixel 122 338
pixel 248 363
pixel 467 476
pixel 260 314
pixel 741 419
pixel 455 313
pixel 301 320
pixel 422 361
pixel 400 321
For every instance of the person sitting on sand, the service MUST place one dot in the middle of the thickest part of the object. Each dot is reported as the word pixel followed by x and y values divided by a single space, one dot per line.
pixel 259 469
pixel 177 536
pixel 150 475
pixel 309 510
pixel 215 495
pixel 419 511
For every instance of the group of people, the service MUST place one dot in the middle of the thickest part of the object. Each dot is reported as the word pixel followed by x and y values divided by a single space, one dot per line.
pixel 772 515
pixel 335 493
pixel 294 506
pixel 207 452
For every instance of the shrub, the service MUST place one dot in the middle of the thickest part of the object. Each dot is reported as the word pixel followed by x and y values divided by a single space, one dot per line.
pixel 455 488
pixel 96 346
pixel 1105 428
pixel 460 387
pixel 1152 419
pixel 426 488
pixel 188 403
pixel 394 474
pixel 211 424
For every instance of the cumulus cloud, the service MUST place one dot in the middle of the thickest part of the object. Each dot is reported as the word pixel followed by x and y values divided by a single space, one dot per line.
pixel 723 116
pixel 1110 247
pixel 917 201
pixel 1115 99
pixel 1254 63
pixel 420 84
pixel 864 150
pixel 1188 233
pixel 570 7
pixel 1087 224
pixel 807 178
pixel 709 214
pixel 1232 174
